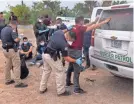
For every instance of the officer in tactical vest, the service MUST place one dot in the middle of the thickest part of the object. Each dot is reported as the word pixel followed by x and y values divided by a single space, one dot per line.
pixel 10 42
pixel 58 45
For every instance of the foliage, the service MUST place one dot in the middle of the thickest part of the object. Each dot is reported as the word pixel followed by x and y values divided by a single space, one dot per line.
pixel 22 12
pixel 52 8
pixel 37 10
pixel 84 9
pixel 119 2
pixel 6 16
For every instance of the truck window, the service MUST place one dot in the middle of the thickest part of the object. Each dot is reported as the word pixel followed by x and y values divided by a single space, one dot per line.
pixel 122 19
pixel 98 12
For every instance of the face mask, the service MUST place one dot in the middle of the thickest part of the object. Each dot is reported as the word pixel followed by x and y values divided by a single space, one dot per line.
pixel 58 24
pixel 70 42
pixel 25 43
pixel 42 44
pixel 40 20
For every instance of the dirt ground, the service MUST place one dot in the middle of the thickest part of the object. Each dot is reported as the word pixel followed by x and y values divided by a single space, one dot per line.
pixel 106 89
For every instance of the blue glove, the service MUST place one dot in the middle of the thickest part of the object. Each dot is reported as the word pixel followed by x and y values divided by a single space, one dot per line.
pixel 20 36
pixel 69 27
pixel 79 61
pixel 41 31
pixel 46 30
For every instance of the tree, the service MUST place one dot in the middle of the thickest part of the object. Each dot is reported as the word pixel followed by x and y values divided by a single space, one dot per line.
pixel 21 11
pixel 65 12
pixel 38 10
pixel 6 16
pixel 123 2
pixel 90 5
pixel 78 9
pixel 85 8
pixel 119 2
pixel 54 6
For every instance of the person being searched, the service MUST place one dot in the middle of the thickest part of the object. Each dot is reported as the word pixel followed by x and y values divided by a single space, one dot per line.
pixel 26 49
pixel 9 39
pixel 40 50
pixel 75 49
pixel 52 60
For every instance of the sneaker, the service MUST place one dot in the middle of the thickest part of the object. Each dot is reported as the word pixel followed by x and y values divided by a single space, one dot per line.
pixel 31 63
pixel 69 84
pixel 10 82
pixel 38 64
pixel 42 92
pixel 80 91
pixel 21 85
pixel 66 93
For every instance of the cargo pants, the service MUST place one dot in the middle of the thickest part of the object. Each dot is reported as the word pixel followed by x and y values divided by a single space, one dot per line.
pixel 12 62
pixel 48 65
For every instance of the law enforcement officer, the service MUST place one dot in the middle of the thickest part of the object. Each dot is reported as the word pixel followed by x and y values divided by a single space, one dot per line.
pixel 10 42
pixel 57 45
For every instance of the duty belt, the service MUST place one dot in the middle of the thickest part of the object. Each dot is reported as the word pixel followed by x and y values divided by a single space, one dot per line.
pixel 53 53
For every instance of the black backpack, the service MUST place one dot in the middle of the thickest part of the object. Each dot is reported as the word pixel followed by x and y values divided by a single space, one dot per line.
pixel 24 69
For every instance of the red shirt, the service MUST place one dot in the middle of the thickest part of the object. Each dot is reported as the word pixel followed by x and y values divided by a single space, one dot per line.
pixel 78 43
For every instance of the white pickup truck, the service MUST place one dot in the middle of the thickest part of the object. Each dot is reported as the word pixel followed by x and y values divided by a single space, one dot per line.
pixel 112 44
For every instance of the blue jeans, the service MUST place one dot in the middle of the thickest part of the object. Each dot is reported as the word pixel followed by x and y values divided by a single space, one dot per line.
pixel 86 54
pixel 37 57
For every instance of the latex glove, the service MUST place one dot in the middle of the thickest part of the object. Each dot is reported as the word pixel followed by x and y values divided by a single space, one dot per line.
pixel 40 31
pixel 20 36
pixel 79 61
pixel 52 27
pixel 69 27
pixel 45 30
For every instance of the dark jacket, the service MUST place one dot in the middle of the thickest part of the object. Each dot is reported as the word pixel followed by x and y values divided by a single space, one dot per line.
pixel 38 26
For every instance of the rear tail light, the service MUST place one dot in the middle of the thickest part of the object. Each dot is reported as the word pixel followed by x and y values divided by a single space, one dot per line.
pixel 92 38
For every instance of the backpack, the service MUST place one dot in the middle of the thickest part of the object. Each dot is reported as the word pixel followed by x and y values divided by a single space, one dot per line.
pixel 24 69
